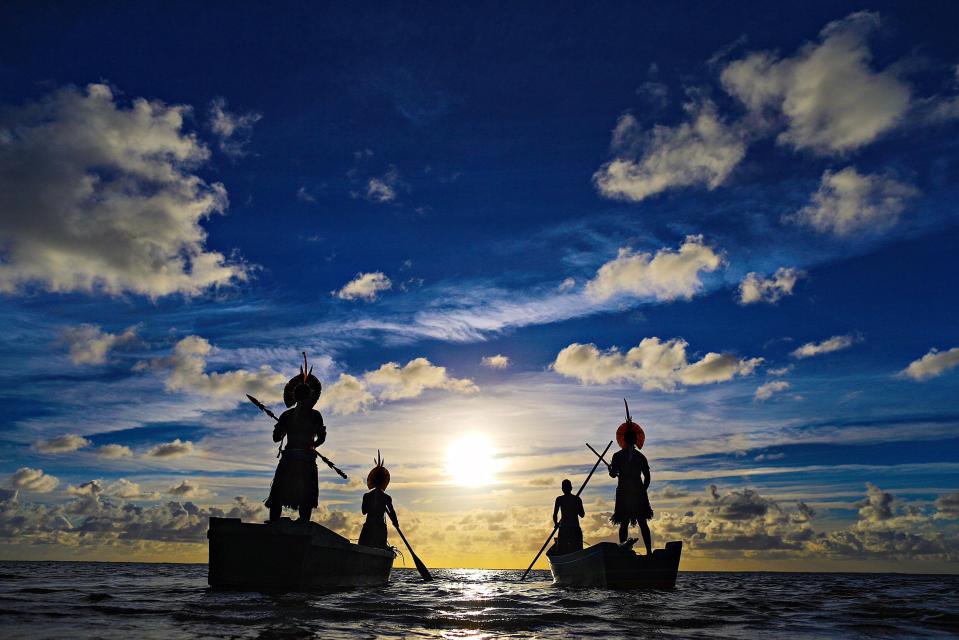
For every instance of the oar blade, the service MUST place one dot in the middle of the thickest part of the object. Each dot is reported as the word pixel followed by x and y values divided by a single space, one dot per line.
pixel 424 572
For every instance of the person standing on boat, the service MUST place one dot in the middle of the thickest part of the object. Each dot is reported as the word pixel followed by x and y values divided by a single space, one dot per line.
pixel 295 483
pixel 570 508
pixel 377 504
pixel 632 470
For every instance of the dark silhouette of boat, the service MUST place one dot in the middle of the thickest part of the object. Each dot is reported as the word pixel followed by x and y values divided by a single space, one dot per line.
pixel 290 555
pixel 617 566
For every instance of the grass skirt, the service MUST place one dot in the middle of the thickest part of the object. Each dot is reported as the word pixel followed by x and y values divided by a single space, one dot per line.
pixel 632 505
pixel 295 482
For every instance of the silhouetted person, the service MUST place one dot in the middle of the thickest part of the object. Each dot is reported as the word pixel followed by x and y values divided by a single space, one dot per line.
pixel 632 500
pixel 377 504
pixel 295 483
pixel 570 508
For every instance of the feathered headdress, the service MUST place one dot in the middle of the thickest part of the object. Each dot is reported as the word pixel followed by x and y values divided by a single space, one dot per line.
pixel 379 476
pixel 305 377
pixel 632 426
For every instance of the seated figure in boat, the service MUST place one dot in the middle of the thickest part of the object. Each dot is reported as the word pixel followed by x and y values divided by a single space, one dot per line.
pixel 570 509
pixel 377 504
pixel 632 500
pixel 295 483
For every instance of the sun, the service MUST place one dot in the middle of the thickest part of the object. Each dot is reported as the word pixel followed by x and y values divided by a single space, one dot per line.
pixel 471 461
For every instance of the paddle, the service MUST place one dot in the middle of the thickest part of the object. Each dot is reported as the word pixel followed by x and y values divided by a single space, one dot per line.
pixel 424 572
pixel 556 526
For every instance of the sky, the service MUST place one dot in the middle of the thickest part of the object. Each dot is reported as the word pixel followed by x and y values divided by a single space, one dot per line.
pixel 486 225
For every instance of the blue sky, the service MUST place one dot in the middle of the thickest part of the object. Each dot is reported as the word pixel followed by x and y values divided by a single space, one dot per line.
pixel 487 221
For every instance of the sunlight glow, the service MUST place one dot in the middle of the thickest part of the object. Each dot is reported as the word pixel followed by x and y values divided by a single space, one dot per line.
pixel 471 461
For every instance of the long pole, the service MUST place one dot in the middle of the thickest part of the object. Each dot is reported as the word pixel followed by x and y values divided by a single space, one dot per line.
pixel 328 462
pixel 555 527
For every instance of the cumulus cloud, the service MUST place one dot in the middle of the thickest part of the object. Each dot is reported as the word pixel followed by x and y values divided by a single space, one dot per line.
pixel 93 518
pixel 365 286
pixel 89 344
pixel 345 396
pixel 186 373
pixel 878 505
pixel 755 288
pixel 189 489
pixel 654 364
pixel 933 364
pixel 848 202
pixel 232 129
pixel 835 343
pixel 667 275
pixel 827 97
pixel 769 389
pixel 390 381
pixel 98 197
pixel 61 444
pixel 701 151
pixel 34 480
pixel 947 505
pixel 498 361
pixel 114 451
pixel 127 490
pixel 174 449
pixel 412 379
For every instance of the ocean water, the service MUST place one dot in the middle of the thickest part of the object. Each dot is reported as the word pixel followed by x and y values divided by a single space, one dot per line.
pixel 141 601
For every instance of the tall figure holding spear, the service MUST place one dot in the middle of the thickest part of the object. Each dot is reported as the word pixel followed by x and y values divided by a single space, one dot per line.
pixel 295 483
pixel 632 470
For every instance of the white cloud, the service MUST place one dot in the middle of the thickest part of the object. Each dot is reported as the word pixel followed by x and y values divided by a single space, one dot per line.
pixel 932 365
pixel 667 275
pixel 567 285
pixel 381 190
pixel 174 449
pixel 88 344
pixel 350 394
pixel 365 286
pixel 189 489
pixel 835 343
pixel 848 202
pixel 780 371
pixel 345 396
pixel 701 151
pixel 96 197
pixel 412 379
pixel 827 96
pixel 114 451
pixel 127 490
pixel 89 489
pixel 654 364
pixel 233 129
pixel 304 196
pixel 498 361
pixel 186 373
pixel 61 444
pixel 33 480
pixel 755 288
pixel 769 389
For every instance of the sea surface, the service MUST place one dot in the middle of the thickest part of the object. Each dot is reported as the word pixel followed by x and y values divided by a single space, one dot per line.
pixel 141 601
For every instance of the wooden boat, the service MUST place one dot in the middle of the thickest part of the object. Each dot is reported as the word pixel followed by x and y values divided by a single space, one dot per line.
pixel 617 566
pixel 290 555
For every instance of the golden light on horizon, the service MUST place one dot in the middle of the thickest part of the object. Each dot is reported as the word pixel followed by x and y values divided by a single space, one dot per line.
pixel 471 461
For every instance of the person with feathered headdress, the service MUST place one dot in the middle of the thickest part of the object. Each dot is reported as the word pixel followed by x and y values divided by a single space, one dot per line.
pixel 295 483
pixel 377 504
pixel 631 469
